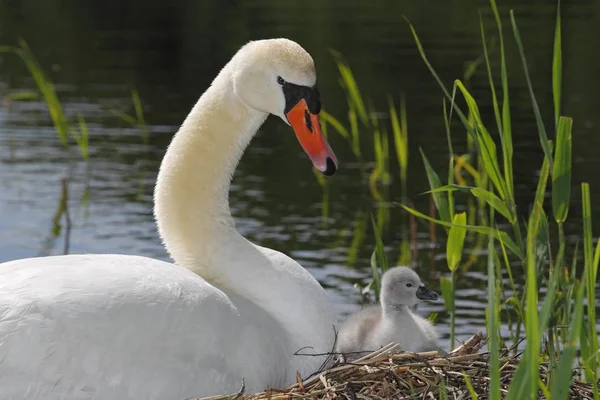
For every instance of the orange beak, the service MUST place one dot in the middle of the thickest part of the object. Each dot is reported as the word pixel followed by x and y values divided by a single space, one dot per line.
pixel 308 131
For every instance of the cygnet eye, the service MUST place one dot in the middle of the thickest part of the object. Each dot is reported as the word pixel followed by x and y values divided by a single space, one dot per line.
pixel 409 284
pixel 280 80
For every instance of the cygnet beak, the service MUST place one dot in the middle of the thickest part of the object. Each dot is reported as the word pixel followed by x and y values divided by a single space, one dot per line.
pixel 425 294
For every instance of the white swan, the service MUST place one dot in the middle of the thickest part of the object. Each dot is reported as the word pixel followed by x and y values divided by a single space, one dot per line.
pixel 392 321
pixel 127 327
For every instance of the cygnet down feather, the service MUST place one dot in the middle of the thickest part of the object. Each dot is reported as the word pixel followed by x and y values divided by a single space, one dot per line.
pixel 392 321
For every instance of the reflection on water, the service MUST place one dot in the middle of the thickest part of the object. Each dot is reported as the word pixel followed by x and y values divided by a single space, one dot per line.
pixel 97 53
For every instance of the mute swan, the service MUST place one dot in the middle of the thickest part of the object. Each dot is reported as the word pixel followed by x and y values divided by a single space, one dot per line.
pixel 128 327
pixel 393 321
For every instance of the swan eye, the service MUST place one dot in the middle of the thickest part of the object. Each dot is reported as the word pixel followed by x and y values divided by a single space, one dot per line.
pixel 409 285
pixel 280 80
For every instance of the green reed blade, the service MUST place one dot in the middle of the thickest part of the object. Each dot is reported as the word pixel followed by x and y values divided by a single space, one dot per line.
pixel 563 378
pixel 485 142
pixel 400 141
pixel 446 285
pixel 493 317
pixel 561 173
pixel 441 203
pixel 557 66
pixel 540 190
pixel 486 230
pixel 456 240
pixel 532 348
pixel 451 159
pixel 352 89
pixel 588 256
pixel 490 77
pixel 82 138
pixel 495 202
pixel 506 131
pixel 23 96
pixel 336 124
pixel 536 110
pixel 470 388
pixel 461 115
pixel 520 384
pixel 48 92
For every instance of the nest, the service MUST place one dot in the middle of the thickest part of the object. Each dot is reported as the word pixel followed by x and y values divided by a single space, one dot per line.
pixel 386 374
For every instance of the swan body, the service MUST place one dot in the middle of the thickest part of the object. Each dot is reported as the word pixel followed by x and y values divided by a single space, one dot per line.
pixel 393 321
pixel 129 327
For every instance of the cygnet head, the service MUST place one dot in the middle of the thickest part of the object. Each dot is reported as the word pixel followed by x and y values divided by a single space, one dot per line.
pixel 277 76
pixel 401 286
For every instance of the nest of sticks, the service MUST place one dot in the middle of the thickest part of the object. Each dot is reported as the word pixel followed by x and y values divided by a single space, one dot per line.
pixel 386 374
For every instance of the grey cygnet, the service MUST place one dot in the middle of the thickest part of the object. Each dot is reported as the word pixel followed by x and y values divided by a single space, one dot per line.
pixel 393 321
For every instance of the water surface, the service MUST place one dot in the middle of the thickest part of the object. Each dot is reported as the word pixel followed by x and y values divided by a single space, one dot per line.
pixel 97 52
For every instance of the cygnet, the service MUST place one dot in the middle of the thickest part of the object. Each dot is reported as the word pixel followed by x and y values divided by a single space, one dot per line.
pixel 392 321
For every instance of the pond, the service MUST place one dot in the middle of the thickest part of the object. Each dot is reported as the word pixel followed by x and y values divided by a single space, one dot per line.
pixel 98 52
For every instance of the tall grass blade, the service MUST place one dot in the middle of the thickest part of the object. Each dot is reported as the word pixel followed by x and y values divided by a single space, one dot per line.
pixel 536 109
pixel 591 357
pixel 456 239
pixel 82 138
pixel 532 350
pixel 559 387
pixel 506 130
pixel 337 125
pixel 557 66
pixel 486 230
pixel 495 202
pixel 493 317
pixel 400 141
pixel 441 203
pixel 485 143
pixel 561 174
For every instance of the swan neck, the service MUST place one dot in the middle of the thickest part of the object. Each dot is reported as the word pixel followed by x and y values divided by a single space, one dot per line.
pixel 192 191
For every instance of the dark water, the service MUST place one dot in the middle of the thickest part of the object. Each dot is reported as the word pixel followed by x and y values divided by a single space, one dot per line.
pixel 98 51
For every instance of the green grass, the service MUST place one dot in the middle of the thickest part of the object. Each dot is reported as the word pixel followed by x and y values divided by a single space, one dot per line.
pixel 558 328
pixel 64 127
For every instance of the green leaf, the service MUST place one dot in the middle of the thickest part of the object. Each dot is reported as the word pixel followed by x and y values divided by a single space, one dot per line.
pixel 337 125
pixel 441 203
pixel 485 143
pixel 421 51
pixel 400 141
pixel 560 384
pixel 447 293
pixel 532 350
pixel 590 284
pixel 561 173
pixel 495 202
pixel 520 385
pixel 472 392
pixel 23 96
pixel 456 239
pixel 557 66
pixel 505 128
pixel 486 230
pixel 493 311
pixel 540 191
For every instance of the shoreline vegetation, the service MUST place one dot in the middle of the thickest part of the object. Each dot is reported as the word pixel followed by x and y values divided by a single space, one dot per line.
pixel 552 350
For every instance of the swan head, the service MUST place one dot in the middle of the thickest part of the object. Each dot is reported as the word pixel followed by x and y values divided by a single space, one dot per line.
pixel 277 76
pixel 401 286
